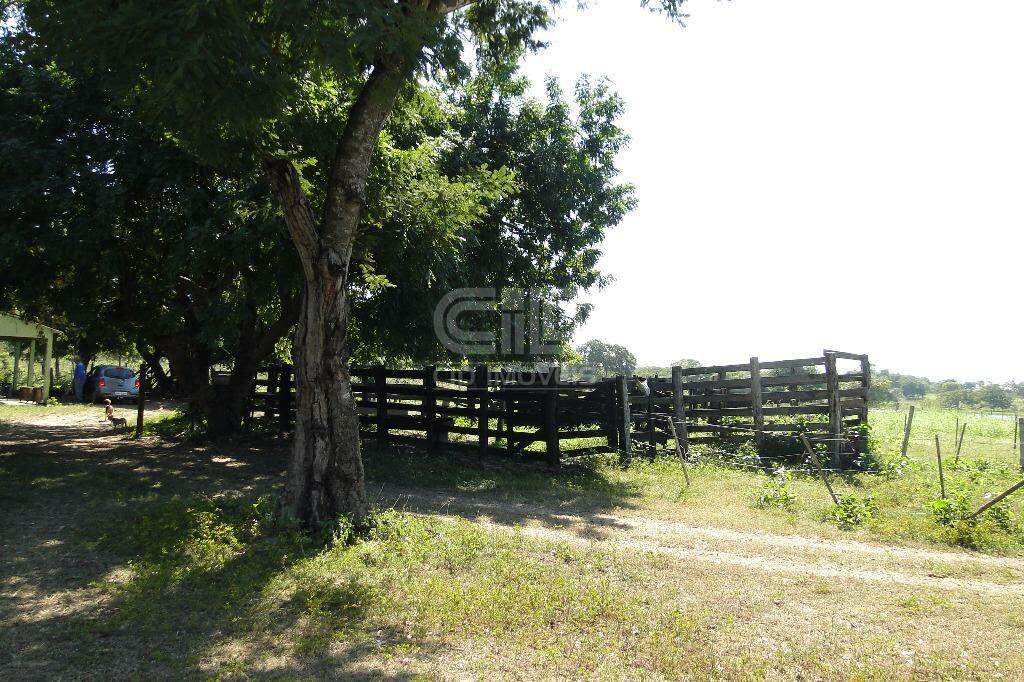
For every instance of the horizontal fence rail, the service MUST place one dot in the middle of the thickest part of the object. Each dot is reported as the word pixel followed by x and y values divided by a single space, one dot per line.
pixel 515 412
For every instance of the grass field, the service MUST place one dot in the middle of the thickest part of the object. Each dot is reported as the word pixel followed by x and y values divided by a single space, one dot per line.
pixel 155 559
pixel 902 498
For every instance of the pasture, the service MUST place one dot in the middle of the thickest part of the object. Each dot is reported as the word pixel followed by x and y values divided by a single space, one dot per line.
pixel 162 558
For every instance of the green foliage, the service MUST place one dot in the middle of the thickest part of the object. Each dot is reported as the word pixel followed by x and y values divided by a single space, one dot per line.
pixel 990 530
pixel 852 511
pixel 775 493
pixel 150 154
pixel 882 390
pixel 990 396
pixel 947 512
pixel 606 359
pixel 115 235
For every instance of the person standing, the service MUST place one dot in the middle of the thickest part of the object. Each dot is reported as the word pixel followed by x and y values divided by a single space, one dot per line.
pixel 79 379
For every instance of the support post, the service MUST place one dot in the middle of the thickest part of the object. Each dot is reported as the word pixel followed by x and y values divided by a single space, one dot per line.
pixel 140 413
pixel 31 363
pixel 679 449
pixel 998 498
pixel 835 415
pixel 942 478
pixel 755 402
pixel 554 454
pixel 906 432
pixel 626 436
pixel 380 382
pixel 679 412
pixel 429 411
pixel 817 465
pixel 480 388
pixel 16 376
pixel 47 374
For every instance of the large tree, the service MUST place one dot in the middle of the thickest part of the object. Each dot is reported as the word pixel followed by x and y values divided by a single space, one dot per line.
pixel 121 239
pixel 301 89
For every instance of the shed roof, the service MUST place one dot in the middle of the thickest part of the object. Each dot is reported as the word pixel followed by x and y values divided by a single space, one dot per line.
pixel 13 328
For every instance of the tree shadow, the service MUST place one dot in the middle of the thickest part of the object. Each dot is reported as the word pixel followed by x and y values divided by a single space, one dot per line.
pixel 581 495
pixel 80 504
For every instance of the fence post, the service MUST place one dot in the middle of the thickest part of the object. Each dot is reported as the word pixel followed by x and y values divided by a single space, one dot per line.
pixel 480 383
pixel 1020 439
pixel 611 415
pixel 906 432
pixel 722 402
pixel 652 441
pixel 510 415
pixel 380 381
pixel 679 411
pixel 835 415
pixel 626 440
pixel 284 400
pixel 757 409
pixel 429 411
pixel 865 382
pixel 141 400
pixel 554 454
pixel 268 399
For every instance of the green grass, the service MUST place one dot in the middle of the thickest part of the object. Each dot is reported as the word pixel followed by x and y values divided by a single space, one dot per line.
pixel 897 505
pixel 440 595
pixel 145 560
pixel 22 411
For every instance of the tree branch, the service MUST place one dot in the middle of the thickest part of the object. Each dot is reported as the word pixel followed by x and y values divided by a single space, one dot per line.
pixel 298 211
pixel 346 192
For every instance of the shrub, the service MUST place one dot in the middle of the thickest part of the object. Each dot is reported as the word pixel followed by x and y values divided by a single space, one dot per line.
pixel 949 511
pixel 987 531
pixel 852 511
pixel 775 494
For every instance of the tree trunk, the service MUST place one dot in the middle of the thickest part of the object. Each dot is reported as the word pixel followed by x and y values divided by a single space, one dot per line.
pixel 325 474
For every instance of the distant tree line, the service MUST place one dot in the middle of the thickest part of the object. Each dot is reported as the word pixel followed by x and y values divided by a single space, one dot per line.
pixel 888 387
pixel 596 358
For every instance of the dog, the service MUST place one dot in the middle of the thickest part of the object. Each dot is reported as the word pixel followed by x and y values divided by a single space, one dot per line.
pixel 116 421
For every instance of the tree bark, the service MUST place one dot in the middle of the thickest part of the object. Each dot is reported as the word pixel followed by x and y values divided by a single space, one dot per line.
pixel 325 475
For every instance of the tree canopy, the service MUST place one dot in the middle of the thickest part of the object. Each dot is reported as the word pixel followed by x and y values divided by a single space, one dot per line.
pixel 310 98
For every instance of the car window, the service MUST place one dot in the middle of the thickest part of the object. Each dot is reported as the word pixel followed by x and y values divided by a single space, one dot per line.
pixel 118 373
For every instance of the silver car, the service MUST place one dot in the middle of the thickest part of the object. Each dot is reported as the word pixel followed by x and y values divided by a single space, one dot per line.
pixel 111 382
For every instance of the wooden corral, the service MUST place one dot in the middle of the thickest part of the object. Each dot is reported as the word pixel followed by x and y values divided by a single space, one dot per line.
pixel 817 396
pixel 504 411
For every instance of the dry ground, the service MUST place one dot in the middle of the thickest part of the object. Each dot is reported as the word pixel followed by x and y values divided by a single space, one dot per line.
pixel 499 590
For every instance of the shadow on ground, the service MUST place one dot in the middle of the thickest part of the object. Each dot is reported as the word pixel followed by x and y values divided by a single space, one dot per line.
pixel 83 509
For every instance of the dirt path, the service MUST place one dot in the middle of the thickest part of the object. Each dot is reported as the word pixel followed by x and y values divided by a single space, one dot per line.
pixel 65 472
pixel 771 553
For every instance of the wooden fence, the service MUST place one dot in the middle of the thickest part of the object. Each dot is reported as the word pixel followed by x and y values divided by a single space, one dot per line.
pixel 503 411
pixel 480 409
pixel 810 395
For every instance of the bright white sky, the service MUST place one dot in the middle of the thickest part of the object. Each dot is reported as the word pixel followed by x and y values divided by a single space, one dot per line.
pixel 814 174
